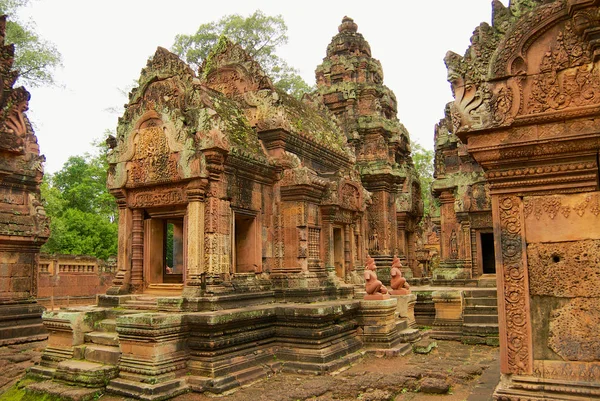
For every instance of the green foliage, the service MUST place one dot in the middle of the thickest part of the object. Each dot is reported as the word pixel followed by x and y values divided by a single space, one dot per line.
pixel 423 161
pixel 35 58
pixel 83 215
pixel 259 34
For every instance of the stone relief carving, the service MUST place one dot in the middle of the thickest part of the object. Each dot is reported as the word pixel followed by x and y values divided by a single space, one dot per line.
pixel 552 206
pixel 574 330
pixel 515 292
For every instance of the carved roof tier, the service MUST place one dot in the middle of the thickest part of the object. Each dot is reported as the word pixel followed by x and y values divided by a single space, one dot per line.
pixel 527 95
pixel 174 117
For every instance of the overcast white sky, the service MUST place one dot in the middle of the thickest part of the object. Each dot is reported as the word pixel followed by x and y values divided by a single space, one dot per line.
pixel 105 44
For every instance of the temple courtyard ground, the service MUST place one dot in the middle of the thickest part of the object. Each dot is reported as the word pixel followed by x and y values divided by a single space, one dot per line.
pixel 470 371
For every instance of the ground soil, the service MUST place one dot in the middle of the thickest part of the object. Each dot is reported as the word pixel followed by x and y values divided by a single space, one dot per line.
pixel 470 371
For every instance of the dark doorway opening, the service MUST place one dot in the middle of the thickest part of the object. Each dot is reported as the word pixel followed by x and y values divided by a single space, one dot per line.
pixel 173 251
pixel 338 252
pixel 488 257
pixel 245 246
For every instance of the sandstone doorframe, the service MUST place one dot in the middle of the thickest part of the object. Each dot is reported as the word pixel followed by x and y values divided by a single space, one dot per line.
pixel 155 245
pixel 246 247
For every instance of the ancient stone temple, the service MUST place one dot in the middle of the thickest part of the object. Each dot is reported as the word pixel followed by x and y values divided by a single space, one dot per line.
pixel 23 224
pixel 350 84
pixel 243 231
pixel 265 185
pixel 466 232
pixel 527 106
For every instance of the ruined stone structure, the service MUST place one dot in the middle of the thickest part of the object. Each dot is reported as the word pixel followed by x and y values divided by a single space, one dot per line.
pixel 23 223
pixel 243 229
pixel 466 233
pixel 527 106
pixel 350 84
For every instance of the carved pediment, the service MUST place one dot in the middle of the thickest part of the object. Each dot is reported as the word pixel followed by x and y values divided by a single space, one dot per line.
pixel 230 70
pixel 536 59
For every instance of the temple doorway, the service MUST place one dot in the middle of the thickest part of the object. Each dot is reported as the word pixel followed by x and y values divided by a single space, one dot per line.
pixel 173 246
pixel 164 247
pixel 245 247
pixel 488 257
pixel 338 252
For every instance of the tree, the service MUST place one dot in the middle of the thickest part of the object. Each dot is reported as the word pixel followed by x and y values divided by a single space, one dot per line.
pixel 35 58
pixel 83 215
pixel 259 34
pixel 423 161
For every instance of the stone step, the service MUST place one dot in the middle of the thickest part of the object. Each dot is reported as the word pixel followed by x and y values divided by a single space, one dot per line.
pixel 401 324
pixel 86 373
pixel 481 310
pixel 42 371
pixel 144 391
pixel 480 319
pixel 491 293
pixel 141 305
pixel 481 302
pixel 107 325
pixel 490 340
pixel 102 338
pixel 410 335
pixel 471 328
pixel 59 391
pixel 102 354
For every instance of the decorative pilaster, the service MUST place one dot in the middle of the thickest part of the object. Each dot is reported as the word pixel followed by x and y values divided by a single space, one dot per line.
pixel 217 215
pixel 137 250
pixel 347 248
pixel 195 239
pixel 516 354
pixel 122 279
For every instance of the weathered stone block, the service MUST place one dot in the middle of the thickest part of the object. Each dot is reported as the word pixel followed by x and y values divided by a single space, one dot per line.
pixel 565 269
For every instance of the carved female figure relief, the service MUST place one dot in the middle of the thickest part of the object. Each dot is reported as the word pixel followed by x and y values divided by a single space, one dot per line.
pixel 453 245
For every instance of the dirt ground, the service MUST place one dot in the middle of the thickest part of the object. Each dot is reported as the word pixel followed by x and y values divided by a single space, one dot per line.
pixel 471 371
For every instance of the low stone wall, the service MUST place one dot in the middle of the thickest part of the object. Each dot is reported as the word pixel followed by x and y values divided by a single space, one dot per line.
pixel 68 280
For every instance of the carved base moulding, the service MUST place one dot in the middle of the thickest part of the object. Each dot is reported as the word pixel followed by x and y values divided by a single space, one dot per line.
pixel 552 380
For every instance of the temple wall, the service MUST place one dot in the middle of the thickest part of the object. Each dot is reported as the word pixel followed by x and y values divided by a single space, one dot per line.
pixel 563 254
pixel 68 280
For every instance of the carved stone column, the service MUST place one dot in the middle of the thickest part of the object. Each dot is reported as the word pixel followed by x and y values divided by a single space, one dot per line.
pixel 122 278
pixel 215 213
pixel 347 248
pixel 137 251
pixel 327 231
pixel 195 239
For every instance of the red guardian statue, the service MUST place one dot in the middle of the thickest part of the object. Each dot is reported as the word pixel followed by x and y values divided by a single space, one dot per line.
pixel 374 288
pixel 398 283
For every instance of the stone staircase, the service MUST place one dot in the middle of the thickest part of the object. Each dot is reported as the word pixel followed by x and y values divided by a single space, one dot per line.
pixel 142 303
pixel 91 364
pixel 480 319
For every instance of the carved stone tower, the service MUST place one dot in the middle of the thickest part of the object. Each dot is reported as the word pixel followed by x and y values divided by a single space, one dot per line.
pixel 23 223
pixel 350 84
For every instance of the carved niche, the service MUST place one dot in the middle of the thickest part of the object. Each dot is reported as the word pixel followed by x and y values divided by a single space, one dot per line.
pixel 152 160
pixel 350 197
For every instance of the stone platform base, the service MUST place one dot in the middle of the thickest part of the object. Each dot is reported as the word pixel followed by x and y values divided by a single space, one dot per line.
pixel 62 391
pixel 529 388
pixel 21 322
pixel 152 348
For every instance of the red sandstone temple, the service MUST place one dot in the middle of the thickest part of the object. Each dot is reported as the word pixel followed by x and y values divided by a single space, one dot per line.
pixel 245 217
